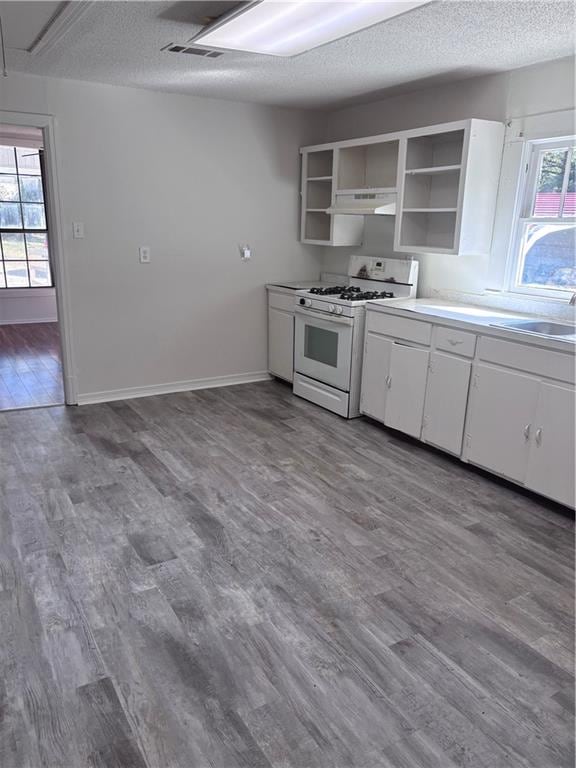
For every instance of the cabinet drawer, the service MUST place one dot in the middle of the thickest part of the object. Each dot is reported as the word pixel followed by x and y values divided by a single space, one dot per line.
pixel 399 327
pixel 456 341
pixel 327 397
pixel 528 358
pixel 283 301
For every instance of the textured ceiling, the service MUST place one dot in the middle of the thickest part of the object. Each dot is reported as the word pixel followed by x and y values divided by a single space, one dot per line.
pixel 120 43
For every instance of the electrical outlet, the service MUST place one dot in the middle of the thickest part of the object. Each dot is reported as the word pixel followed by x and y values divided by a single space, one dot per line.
pixel 245 252
pixel 78 230
pixel 145 254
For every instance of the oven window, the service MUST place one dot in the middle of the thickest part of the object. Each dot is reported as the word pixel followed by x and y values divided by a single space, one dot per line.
pixel 321 345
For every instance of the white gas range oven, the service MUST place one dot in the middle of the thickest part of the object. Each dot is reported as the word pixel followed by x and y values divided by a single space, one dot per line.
pixel 329 330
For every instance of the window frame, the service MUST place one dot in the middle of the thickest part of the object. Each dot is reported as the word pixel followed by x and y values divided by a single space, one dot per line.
pixel 529 173
pixel 23 230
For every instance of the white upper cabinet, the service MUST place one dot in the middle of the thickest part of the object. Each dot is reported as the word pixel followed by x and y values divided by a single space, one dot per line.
pixel 447 189
pixel 444 179
pixel 319 169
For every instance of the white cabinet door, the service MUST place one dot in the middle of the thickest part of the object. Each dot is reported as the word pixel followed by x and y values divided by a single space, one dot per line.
pixel 406 389
pixel 281 343
pixel 502 408
pixel 551 461
pixel 375 370
pixel 446 399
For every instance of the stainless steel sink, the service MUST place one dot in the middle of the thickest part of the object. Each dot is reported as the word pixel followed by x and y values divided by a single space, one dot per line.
pixel 541 327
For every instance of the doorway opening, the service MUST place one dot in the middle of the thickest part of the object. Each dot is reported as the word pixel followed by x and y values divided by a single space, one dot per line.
pixel 31 372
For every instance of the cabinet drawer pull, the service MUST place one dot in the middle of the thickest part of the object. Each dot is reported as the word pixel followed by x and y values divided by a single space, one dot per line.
pixel 527 432
pixel 539 436
pixel 455 342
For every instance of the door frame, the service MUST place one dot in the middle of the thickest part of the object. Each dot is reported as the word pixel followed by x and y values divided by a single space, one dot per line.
pixel 47 124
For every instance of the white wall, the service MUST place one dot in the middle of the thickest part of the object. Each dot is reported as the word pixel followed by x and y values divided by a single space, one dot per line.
pixel 546 87
pixel 28 305
pixel 192 178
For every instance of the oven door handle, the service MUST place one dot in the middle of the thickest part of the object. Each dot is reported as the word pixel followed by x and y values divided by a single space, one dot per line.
pixel 323 316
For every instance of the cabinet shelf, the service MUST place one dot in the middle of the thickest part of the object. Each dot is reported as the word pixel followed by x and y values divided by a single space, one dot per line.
pixel 427 231
pixel 315 210
pixel 367 191
pixel 430 210
pixel 433 170
pixel 319 178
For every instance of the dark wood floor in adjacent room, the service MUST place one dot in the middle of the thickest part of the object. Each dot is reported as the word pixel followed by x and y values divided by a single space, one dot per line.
pixel 30 366
pixel 235 577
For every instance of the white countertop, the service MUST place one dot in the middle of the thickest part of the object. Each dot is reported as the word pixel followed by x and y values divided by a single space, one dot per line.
pixel 478 318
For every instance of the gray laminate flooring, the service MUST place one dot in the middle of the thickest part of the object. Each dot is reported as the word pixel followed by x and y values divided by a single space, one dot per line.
pixel 235 578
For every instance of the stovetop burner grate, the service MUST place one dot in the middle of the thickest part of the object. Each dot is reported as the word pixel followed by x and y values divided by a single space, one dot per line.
pixel 330 291
pixel 359 295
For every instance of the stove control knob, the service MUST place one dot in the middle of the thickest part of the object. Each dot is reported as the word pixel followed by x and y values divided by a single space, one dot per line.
pixel 339 310
pixel 331 308
pixel 308 302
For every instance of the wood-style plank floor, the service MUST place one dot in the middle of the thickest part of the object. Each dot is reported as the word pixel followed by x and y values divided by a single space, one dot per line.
pixel 235 577
pixel 30 367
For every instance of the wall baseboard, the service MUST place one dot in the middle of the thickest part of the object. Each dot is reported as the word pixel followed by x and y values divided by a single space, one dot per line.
pixel 30 321
pixel 174 386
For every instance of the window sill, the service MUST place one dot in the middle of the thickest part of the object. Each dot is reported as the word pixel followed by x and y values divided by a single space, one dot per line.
pixel 519 296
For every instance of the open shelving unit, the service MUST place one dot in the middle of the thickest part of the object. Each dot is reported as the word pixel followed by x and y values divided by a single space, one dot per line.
pixel 444 179
pixel 319 227
pixel 428 212
pixel 317 179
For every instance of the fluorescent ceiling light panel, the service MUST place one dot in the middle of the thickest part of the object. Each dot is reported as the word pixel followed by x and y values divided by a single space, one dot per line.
pixel 283 28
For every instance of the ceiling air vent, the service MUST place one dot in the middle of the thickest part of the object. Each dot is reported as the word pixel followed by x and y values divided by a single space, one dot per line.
pixel 205 52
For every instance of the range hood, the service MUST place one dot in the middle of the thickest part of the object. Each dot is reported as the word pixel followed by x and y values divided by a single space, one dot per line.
pixel 365 202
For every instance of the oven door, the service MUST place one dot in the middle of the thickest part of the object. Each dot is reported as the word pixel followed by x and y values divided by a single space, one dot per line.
pixel 323 347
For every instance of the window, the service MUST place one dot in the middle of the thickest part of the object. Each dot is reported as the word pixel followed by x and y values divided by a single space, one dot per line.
pixel 24 261
pixel 544 250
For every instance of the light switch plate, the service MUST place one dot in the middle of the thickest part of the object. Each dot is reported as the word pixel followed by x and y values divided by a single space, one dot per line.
pixel 78 230
pixel 145 254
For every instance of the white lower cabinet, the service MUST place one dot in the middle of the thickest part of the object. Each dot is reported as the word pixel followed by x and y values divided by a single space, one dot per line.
pixel 281 343
pixel 446 400
pixel 506 406
pixel 281 334
pixel 376 368
pixel 551 459
pixel 523 428
pixel 502 408
pixel 394 383
pixel 406 388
